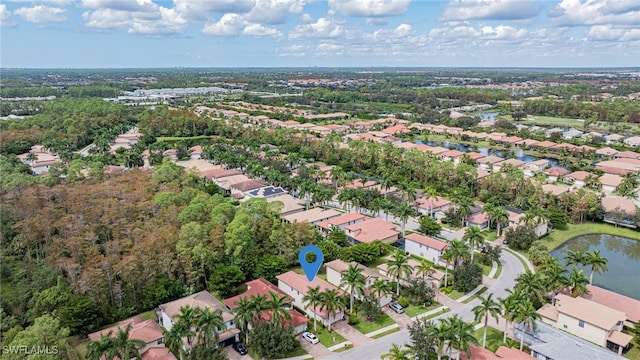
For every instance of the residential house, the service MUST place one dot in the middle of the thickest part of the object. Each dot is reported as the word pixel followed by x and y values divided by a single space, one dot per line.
pixel 488 162
pixel 552 131
pixel 628 155
pixel 555 190
pixel 290 204
pixel 578 178
pixel 203 300
pixel 426 247
pixel 619 211
pixel 480 220
pixel 513 163
pixel 452 155
pixel 196 152
pixel 543 145
pixel 480 353
pixel 262 287
pixel 340 222
pixel 619 166
pixel 516 217
pixel 610 183
pixel 147 331
pixel 572 133
pixel 555 173
pixel 297 286
pixel 373 229
pixel 633 141
pixel 226 183
pixel 588 320
pixel 158 353
pixel 434 206
pixel 334 276
pixel 549 343
pixel 630 307
pixel 42 160
pixel 527 143
pixel 504 352
pixel 606 153
pixel 436 277
pixel 534 167
pixel 312 216
pixel 245 187
pixel 613 139
pixel 396 129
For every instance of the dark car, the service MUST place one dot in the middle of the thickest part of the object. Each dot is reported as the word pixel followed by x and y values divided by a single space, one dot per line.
pixel 240 348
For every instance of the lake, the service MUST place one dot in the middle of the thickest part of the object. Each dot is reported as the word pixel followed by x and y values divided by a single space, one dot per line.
pixel 623 254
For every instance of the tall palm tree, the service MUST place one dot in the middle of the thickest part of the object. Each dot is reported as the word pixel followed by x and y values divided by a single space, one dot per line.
pixel 577 282
pixel 188 317
pixel 397 353
pixel 460 251
pixel 531 284
pixel 312 300
pixel 500 217
pixel 447 256
pixel 509 306
pixel 403 211
pixel 425 269
pixel 399 267
pixel 487 307
pixel 332 303
pixel 354 281
pixel 277 305
pixel 462 335
pixel 598 263
pixel 244 315
pixel 474 237
pixel 127 348
pixel 575 258
pixel 527 315
pixel 209 323
pixel 554 279
pixel 441 334
pixel 380 288
pixel 102 348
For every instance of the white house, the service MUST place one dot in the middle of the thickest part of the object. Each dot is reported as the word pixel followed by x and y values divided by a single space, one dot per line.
pixel 334 276
pixel 426 247
pixel 202 300
pixel 633 141
pixel 297 286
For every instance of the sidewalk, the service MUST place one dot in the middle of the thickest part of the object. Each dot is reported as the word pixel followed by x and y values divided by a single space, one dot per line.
pixel 447 301
pixel 350 333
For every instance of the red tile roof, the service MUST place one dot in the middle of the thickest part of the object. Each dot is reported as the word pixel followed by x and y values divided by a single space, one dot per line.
pixel 579 175
pixel 427 241
pixel 372 229
pixel 431 203
pixel 146 330
pixel 629 306
pixel 545 144
pixel 555 171
pixel 474 155
pixel 255 287
pixel 478 218
pixel 158 353
pixel 513 354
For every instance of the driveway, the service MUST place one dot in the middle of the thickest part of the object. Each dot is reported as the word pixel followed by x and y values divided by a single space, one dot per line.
pixel 233 355
pixel 350 333
pixel 318 351
pixel 402 320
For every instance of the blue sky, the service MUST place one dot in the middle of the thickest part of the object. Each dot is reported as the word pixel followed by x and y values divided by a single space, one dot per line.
pixel 300 33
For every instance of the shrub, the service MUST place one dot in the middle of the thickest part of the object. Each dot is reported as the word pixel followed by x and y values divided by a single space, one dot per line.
pixel 353 319
pixel 467 277
pixel 402 301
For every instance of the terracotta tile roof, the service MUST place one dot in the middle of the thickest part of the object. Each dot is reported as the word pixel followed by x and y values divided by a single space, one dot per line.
pixel 372 229
pixel 548 311
pixel 202 300
pixel 628 155
pixel 607 151
pixel 555 171
pixel 589 311
pixel 158 353
pixel 513 354
pixel 619 338
pixel 431 203
pixel 312 215
pixel 554 189
pixel 218 173
pixel 396 129
pixel 512 162
pixel 579 175
pixel 452 153
pixel 629 306
pixel 618 203
pixel 491 159
pixel 437 150
pixel 300 283
pixel 478 218
pixel 427 241
pixel 249 185
pixel 545 144
pixel 529 142
pixel 147 331
pixel 474 155
pixel 479 353
pixel 256 287
pixel 610 180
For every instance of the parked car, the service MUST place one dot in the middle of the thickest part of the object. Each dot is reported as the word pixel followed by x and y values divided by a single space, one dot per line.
pixel 505 242
pixel 310 337
pixel 396 307
pixel 239 347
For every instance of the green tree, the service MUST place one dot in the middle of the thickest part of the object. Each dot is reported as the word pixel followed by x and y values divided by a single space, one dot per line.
pixel 331 302
pixel 80 314
pixel 399 268
pixel 173 339
pixel 428 227
pixel 225 279
pixel 577 282
pixel 532 285
pixel 313 299
pixel 272 342
pixel 403 211
pixel 422 339
pixel 527 315
pixel 208 323
pixel 46 331
pixel 474 237
pixel 354 281
pixel 598 263
pixel 509 306
pixel 397 353
pixel 277 306
pixel 575 258
pixel 461 335
pixel 467 277
pixel 487 307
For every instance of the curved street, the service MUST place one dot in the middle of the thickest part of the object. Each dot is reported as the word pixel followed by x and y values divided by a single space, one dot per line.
pixel 511 268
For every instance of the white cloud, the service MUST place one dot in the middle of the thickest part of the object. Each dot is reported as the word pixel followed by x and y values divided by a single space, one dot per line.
pixel 133 6
pixel 228 25
pixel 5 17
pixel 369 8
pixel 610 33
pixel 292 51
pixel 402 31
pixel 41 14
pixel 306 18
pixel 107 19
pixel 578 13
pixel 489 10
pixel 274 11
pixel 202 9
pixel 170 22
pixel 258 30
pixel 49 2
pixel 137 17
pixel 323 28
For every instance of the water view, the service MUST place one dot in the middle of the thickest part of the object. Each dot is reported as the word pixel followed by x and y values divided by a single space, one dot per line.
pixel 623 254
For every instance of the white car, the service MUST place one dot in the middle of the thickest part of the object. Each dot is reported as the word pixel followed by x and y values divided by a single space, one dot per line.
pixel 310 337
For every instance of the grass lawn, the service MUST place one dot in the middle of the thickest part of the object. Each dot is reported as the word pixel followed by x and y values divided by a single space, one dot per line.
pixel 486 269
pixel 326 337
pixel 498 271
pixel 470 299
pixel 559 237
pixel 554 121
pixel 490 236
pixel 414 310
pixel 494 338
pixel 366 327
pixel 633 353
pixel 385 333
pixel 455 294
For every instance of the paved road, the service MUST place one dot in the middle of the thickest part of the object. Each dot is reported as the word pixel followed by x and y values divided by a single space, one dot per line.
pixel 510 270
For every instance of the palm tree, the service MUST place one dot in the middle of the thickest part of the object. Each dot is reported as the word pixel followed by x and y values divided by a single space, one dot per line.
pixel 447 256
pixel 473 236
pixel 403 211
pixel 380 288
pixel 174 339
pixel 312 299
pixel 127 348
pixel 102 348
pixel 354 281
pixel 399 267
pixel 460 251
pixel 554 279
pixel 245 315
pixel 527 315
pixel 208 324
pixel 424 268
pixel 397 353
pixel 531 284
pixel 462 335
pixel 577 282
pixel 331 302
pixel 487 307
pixel 575 258
pixel 441 334
pixel 501 216
pixel 188 317
pixel 598 263
pixel 509 306
pixel 278 306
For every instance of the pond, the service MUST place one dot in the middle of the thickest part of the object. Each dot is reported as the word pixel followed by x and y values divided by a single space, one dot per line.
pixel 623 254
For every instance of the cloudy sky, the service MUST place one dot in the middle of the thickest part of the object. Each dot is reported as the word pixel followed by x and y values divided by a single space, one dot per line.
pixel 278 33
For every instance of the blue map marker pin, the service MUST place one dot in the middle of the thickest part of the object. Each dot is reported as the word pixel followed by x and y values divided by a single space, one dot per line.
pixel 310 268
